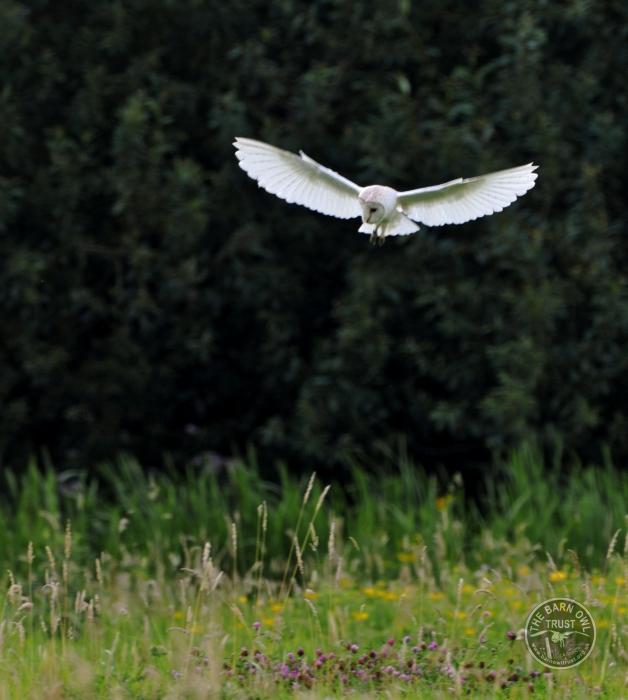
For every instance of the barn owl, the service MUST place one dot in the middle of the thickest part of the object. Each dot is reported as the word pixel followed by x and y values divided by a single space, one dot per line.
pixel 384 211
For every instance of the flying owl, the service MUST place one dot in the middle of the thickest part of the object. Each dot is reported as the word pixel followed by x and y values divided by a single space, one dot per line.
pixel 384 211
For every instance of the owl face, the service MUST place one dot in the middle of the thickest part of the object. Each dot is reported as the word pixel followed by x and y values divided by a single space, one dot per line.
pixel 377 203
pixel 372 212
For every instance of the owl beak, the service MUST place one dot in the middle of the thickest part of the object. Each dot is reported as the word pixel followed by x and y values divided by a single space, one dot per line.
pixel 371 211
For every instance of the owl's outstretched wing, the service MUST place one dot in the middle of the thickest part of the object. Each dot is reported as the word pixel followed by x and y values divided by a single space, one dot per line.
pixel 465 199
pixel 298 180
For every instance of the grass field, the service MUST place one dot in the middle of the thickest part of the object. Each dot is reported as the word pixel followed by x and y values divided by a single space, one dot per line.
pixel 216 583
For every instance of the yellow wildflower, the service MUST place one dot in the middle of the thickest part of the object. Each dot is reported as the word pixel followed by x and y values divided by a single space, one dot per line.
pixel 469 631
pixel 268 621
pixel 360 615
pixel 276 607
pixel 370 592
pixel 436 595
pixel 310 594
pixel 407 557
pixel 443 501
pixel 619 580
pixel 523 570
pixel 557 576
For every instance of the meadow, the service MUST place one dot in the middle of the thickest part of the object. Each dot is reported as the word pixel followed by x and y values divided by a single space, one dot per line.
pixel 216 583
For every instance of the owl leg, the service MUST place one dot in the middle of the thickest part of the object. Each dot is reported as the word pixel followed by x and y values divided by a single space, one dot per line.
pixel 374 236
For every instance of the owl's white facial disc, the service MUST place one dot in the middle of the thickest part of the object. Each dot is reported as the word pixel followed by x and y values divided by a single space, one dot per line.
pixel 372 212
pixel 377 203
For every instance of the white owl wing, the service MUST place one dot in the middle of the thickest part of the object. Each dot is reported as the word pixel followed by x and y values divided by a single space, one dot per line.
pixel 465 199
pixel 298 180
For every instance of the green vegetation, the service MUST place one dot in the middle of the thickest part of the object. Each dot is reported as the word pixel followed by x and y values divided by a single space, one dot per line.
pixel 224 585
pixel 148 290
pixel 154 303
pixel 127 510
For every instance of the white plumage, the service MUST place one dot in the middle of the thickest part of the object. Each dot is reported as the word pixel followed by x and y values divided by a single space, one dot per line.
pixel 384 211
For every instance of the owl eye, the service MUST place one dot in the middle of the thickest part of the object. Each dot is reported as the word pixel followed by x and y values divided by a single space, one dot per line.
pixel 373 209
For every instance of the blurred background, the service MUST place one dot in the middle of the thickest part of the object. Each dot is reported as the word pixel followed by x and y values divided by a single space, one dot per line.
pixel 155 302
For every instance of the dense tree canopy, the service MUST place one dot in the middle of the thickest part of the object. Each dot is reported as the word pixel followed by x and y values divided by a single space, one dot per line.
pixel 155 301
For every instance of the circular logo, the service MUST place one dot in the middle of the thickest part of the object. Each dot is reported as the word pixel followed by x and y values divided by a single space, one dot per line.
pixel 560 633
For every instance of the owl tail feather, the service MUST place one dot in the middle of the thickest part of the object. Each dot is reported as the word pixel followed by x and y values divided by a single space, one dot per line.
pixel 398 225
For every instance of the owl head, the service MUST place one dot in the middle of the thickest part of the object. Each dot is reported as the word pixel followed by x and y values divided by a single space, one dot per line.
pixel 376 201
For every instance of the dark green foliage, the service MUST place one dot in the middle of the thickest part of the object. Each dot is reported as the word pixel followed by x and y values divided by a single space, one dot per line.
pixel 526 502
pixel 153 299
